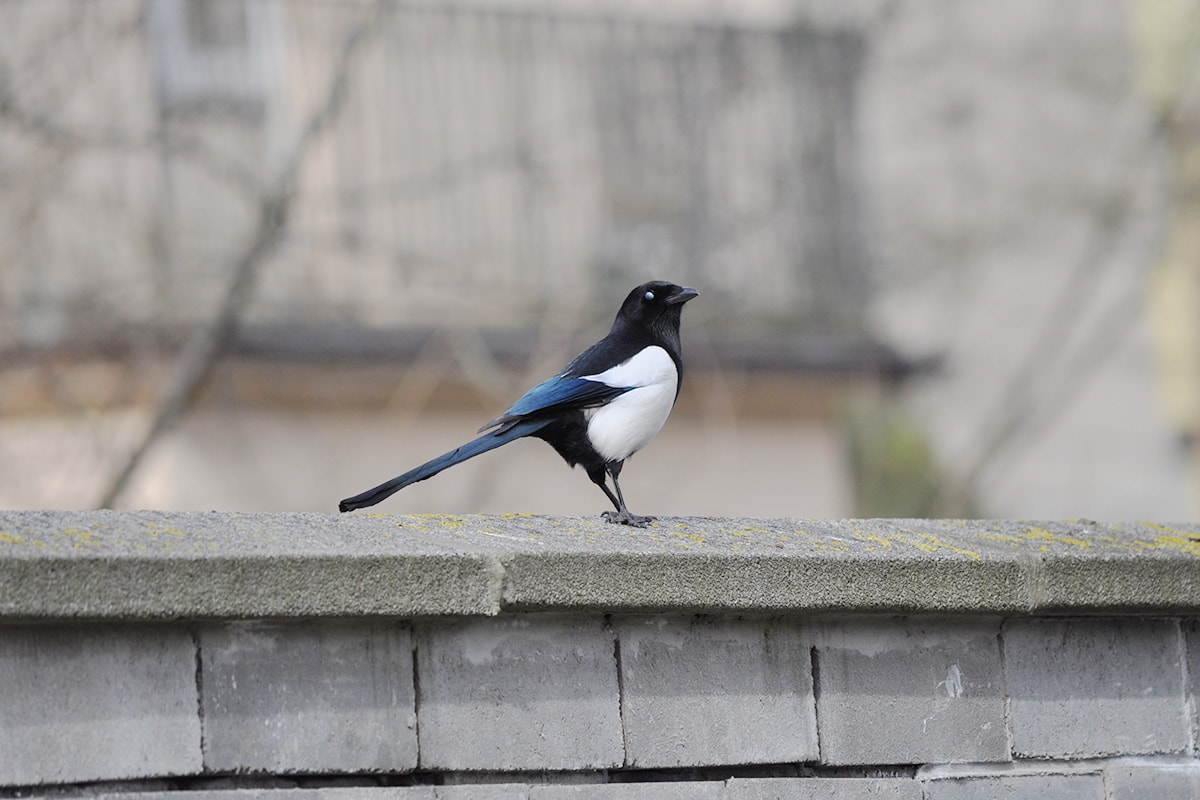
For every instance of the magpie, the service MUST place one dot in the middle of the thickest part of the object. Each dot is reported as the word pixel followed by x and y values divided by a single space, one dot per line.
pixel 605 405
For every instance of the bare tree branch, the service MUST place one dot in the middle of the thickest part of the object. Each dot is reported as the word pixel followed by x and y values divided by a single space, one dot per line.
pixel 199 354
pixel 50 132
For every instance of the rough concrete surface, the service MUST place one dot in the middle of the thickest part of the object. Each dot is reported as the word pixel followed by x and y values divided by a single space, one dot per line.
pixel 1154 781
pixel 934 692
pixel 1020 787
pixel 160 565
pixel 80 704
pixel 823 789
pixel 285 793
pixel 700 691
pixel 1191 642
pixel 1089 688
pixel 325 698
pixel 507 694
pixel 483 791
pixel 672 790
pixel 558 651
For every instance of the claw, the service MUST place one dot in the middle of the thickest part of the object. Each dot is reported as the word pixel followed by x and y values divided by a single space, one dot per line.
pixel 625 518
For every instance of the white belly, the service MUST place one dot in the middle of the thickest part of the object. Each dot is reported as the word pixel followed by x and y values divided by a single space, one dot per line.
pixel 628 423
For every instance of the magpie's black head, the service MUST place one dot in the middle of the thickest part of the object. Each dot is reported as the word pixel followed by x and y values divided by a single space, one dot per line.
pixel 657 305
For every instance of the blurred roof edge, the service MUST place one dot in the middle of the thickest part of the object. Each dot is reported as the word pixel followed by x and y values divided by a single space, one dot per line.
pixel 808 352
pixel 814 353
pixel 744 13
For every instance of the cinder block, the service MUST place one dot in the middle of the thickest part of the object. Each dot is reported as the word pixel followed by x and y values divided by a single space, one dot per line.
pixel 1191 630
pixel 696 692
pixel 291 698
pixel 518 781
pixel 483 791
pixel 823 789
pixel 1089 688
pixel 276 793
pixel 97 703
pixel 1154 781
pixel 1018 787
pixel 518 693
pixel 910 692
pixel 666 790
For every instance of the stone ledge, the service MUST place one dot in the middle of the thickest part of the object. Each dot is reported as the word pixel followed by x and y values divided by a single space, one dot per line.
pixel 209 565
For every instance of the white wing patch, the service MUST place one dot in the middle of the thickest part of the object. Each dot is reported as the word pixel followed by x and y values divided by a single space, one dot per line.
pixel 627 424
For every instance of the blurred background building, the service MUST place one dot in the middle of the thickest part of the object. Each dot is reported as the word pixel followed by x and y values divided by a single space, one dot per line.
pixel 263 254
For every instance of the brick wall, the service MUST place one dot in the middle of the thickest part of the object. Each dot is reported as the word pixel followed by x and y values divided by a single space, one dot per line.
pixel 566 697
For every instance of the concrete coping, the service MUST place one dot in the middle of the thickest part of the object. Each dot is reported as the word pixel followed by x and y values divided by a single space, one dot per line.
pixel 147 565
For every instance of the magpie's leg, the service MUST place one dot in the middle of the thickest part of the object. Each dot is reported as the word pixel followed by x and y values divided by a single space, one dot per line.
pixel 598 476
pixel 617 504
pixel 621 516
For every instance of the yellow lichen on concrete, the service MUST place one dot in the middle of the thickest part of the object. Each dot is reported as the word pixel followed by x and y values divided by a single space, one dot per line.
pixel 928 547
pixel 155 530
pixel 831 543
pixel 695 537
pixel 428 522
pixel 445 520
pixel 1174 539
pixel 925 542
pixel 999 537
pixel 1183 544
pixel 1041 534
pixel 931 544
pixel 862 536
pixel 83 539
pixel 8 538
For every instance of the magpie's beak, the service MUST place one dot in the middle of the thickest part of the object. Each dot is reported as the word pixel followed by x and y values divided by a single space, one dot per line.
pixel 682 296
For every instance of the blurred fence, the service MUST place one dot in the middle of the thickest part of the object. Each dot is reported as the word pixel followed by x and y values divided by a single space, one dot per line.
pixel 485 167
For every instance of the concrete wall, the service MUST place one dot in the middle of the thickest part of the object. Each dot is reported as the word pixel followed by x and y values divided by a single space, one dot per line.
pixel 488 657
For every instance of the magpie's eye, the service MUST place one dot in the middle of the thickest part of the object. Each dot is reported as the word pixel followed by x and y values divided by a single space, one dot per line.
pixel 649 295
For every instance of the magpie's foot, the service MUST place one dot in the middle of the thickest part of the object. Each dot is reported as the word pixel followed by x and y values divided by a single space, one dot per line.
pixel 625 518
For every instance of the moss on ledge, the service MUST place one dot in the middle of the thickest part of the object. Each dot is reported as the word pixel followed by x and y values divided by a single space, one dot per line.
pixel 211 565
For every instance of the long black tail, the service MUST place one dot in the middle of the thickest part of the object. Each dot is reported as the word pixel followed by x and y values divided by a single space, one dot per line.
pixel 489 441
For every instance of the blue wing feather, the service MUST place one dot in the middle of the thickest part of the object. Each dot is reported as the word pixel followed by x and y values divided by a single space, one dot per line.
pixel 558 394
pixel 532 412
